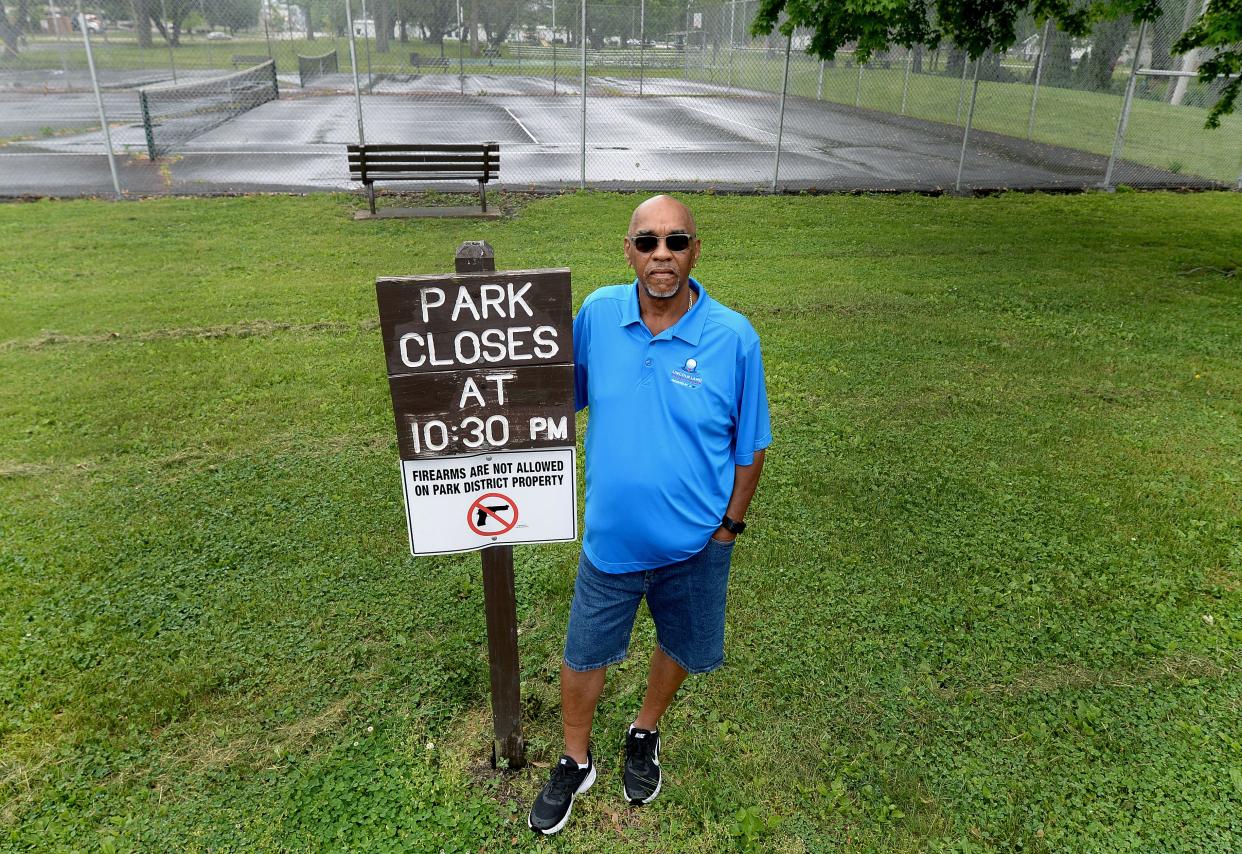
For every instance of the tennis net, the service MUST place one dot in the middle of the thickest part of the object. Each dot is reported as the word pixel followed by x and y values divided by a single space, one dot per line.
pixel 310 67
pixel 172 115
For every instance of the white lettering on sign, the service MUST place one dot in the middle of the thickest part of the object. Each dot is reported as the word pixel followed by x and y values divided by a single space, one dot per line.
pixel 495 301
pixel 470 390
pixel 513 343
pixel 551 428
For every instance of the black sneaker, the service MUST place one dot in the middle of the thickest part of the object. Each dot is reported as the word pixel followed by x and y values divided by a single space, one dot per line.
pixel 551 809
pixel 642 765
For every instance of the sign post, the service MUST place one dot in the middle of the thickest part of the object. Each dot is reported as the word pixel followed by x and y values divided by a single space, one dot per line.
pixel 480 366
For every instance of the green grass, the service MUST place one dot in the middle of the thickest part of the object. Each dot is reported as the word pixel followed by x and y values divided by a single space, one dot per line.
pixel 989 598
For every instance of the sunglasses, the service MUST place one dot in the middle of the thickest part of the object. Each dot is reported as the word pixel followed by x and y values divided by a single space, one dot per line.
pixel 677 242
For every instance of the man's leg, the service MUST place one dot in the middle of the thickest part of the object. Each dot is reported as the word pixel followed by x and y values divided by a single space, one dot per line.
pixel 663 679
pixel 579 695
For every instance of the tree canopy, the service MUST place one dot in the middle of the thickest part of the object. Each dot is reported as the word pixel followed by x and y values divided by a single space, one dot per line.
pixel 979 26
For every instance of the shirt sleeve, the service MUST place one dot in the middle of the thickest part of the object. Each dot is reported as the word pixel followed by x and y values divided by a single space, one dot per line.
pixel 754 427
pixel 581 335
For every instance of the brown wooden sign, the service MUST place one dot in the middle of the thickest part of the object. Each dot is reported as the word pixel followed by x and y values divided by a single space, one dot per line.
pixel 479 362
pixel 510 318
pixel 449 413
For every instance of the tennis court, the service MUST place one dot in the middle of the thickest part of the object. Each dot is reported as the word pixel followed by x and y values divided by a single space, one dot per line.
pixel 678 134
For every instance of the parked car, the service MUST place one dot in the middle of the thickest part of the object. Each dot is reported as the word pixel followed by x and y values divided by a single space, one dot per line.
pixel 93 23
pixel 217 36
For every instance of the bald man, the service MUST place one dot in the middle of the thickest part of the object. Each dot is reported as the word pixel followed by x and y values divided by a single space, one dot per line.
pixel 678 424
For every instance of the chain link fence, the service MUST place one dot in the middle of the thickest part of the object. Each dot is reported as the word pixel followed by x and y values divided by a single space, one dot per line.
pixel 215 96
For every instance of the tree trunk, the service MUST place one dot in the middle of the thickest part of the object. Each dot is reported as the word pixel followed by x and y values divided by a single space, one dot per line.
pixel 383 25
pixel 1190 59
pixel 1107 42
pixel 22 22
pixel 405 36
pixel 8 33
pixel 310 24
pixel 917 67
pixel 142 22
pixel 953 66
pixel 474 27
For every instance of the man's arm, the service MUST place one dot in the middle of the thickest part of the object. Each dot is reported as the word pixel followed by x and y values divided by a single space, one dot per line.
pixel 745 479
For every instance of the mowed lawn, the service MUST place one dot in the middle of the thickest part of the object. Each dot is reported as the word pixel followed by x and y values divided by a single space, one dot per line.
pixel 989 599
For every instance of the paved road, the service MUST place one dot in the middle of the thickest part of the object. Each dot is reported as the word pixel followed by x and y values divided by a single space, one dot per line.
pixel 682 134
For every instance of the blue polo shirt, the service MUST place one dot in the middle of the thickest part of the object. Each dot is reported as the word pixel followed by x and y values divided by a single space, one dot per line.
pixel 670 417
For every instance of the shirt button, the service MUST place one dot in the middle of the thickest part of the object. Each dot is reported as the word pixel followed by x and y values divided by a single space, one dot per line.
pixel 647 363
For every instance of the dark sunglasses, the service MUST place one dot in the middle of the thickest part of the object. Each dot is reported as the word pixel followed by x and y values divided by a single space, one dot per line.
pixel 677 242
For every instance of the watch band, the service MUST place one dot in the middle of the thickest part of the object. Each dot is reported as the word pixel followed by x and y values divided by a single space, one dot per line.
pixel 731 526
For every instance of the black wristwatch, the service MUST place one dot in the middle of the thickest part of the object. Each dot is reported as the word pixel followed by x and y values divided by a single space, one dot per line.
pixel 732 527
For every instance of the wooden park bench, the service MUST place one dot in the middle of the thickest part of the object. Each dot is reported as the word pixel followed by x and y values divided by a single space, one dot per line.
pixel 245 60
pixel 478 161
pixel 418 61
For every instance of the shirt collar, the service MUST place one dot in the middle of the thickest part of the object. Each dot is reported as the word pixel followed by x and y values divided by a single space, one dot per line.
pixel 689 328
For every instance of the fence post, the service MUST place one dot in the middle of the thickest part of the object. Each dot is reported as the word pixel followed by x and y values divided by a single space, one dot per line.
pixel 905 83
pixel 858 83
pixel 1039 70
pixel 819 87
pixel 583 39
pixel 642 43
pixel 461 48
pixel 553 46
pixel 685 43
pixel 970 117
pixel 732 14
pixel 353 65
pixel 103 116
pixel 268 36
pixel 961 87
pixel 780 126
pixel 172 63
pixel 366 45
pixel 1120 139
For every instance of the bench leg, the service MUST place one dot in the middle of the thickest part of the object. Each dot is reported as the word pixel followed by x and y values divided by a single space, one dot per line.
pixel 371 196
pixel 483 196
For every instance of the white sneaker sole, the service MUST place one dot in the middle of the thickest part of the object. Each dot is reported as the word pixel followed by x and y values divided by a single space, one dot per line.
pixel 556 828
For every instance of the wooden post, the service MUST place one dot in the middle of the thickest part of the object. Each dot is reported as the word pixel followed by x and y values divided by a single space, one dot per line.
pixel 499 599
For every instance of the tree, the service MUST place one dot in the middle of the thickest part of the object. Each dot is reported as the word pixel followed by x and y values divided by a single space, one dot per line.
pixel 8 33
pixel 1219 28
pixel 233 15
pixel 1095 71
pixel 497 19
pixel 979 26
pixel 142 21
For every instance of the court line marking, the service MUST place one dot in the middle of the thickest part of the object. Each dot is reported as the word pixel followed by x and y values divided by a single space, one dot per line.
pixel 519 124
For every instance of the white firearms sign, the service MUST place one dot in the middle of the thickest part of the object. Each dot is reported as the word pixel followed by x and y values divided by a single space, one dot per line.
pixel 480 366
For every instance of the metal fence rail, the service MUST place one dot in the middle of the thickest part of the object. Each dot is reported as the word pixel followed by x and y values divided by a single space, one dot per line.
pixel 602 94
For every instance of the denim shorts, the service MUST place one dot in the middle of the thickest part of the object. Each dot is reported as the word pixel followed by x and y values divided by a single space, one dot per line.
pixel 686 600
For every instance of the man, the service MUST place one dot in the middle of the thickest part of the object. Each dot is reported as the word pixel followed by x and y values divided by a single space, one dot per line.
pixel 674 448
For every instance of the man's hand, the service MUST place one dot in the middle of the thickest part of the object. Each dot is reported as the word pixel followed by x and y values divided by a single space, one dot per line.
pixel 724 535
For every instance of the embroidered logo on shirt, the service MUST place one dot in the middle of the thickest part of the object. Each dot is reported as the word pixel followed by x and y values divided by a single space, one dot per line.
pixel 687 376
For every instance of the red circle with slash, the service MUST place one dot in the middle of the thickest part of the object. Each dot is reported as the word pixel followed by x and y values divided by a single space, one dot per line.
pixel 492 506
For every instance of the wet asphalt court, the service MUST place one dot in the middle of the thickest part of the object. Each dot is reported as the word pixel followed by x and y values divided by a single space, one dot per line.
pixel 680 134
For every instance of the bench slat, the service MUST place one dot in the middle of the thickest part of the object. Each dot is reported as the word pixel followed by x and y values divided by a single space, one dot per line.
pixel 370 159
pixel 385 168
pixel 401 176
pixel 419 149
